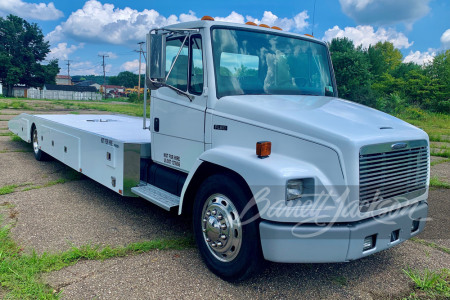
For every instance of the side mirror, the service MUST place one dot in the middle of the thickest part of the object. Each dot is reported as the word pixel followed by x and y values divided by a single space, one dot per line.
pixel 156 59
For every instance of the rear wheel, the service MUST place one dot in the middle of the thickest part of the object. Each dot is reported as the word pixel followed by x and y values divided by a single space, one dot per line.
pixel 228 242
pixel 38 153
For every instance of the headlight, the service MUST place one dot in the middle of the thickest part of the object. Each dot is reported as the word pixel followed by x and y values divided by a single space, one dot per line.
pixel 294 189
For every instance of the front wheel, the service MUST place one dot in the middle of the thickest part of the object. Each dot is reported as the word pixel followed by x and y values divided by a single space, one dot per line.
pixel 227 239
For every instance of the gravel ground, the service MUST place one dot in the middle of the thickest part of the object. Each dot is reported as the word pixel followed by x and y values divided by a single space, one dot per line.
pixel 79 212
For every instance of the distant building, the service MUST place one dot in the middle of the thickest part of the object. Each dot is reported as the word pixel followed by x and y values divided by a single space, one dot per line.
pixel 69 88
pixel 113 88
pixel 89 83
pixel 63 80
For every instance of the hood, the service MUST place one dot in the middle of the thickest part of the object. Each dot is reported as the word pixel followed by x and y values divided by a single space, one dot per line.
pixel 320 118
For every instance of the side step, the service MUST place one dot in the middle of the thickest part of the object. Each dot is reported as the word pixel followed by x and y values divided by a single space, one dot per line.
pixel 157 196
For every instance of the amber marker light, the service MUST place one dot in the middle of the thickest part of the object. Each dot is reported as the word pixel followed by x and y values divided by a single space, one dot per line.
pixel 207 18
pixel 309 35
pixel 264 25
pixel 263 149
pixel 276 28
pixel 251 23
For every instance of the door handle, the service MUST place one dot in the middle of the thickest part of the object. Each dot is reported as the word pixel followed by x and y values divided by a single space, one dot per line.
pixel 156 124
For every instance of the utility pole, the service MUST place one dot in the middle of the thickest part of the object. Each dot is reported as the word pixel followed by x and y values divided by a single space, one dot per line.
pixel 104 73
pixel 139 82
pixel 68 69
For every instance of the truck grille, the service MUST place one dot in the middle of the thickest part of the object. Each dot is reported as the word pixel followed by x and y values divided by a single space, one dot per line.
pixel 392 173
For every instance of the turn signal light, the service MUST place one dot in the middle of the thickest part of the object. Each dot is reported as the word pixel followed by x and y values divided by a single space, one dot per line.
pixel 264 25
pixel 251 23
pixel 207 18
pixel 263 149
pixel 276 27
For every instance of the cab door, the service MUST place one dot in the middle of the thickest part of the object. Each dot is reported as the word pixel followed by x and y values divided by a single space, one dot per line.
pixel 178 123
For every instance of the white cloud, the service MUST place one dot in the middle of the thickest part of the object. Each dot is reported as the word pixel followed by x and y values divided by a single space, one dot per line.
pixel 61 51
pixel 420 58
pixel 132 66
pixel 385 12
pixel 366 35
pixel 97 22
pixel 298 23
pixel 445 39
pixel 36 11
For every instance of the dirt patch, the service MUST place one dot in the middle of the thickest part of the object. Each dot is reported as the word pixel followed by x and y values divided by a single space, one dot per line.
pixel 442 171
pixel 436 158
pixel 81 212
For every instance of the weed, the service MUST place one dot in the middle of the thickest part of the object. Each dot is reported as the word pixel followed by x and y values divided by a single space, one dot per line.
pixel 341 280
pixel 436 152
pixel 436 182
pixel 6 134
pixel 432 283
pixel 8 189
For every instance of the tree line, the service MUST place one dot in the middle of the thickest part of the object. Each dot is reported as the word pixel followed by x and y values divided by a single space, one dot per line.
pixel 378 77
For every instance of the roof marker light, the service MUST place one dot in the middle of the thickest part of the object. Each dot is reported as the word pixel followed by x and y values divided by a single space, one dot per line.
pixel 264 25
pixel 251 23
pixel 207 18
pixel 276 28
pixel 309 35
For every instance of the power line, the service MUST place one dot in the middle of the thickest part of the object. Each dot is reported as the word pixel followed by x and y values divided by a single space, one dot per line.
pixel 104 73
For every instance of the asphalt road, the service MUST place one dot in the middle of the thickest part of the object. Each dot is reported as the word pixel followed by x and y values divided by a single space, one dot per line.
pixel 52 219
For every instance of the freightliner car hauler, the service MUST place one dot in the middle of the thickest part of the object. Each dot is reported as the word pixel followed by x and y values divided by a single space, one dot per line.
pixel 247 135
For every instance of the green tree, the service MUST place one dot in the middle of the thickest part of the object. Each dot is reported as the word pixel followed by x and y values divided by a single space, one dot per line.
pixel 126 79
pixel 22 51
pixel 351 67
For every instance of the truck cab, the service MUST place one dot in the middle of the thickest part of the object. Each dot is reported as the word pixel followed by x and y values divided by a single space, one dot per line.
pixel 248 136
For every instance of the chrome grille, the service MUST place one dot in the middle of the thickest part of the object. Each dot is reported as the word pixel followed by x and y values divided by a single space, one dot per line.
pixel 385 173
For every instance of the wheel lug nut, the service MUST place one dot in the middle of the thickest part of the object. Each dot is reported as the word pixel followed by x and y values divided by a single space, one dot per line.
pixel 214 212
pixel 208 213
pixel 213 245
pixel 204 229
pixel 204 220
pixel 208 240
pixel 220 217
pixel 223 237
pixel 223 226
pixel 219 244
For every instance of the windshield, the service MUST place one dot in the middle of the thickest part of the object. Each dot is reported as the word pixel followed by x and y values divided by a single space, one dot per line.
pixel 257 63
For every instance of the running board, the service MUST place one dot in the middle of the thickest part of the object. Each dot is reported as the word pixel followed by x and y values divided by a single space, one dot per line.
pixel 157 196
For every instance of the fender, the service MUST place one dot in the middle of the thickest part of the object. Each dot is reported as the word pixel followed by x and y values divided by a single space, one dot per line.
pixel 272 172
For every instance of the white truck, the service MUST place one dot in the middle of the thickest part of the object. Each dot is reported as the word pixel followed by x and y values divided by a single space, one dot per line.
pixel 247 134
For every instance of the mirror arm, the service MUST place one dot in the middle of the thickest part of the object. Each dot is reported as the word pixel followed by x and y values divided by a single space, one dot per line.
pixel 178 54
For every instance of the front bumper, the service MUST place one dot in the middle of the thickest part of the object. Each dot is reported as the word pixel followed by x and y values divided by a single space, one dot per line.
pixel 311 243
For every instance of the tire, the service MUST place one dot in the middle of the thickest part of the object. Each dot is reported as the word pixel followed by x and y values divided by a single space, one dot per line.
pixel 233 251
pixel 38 153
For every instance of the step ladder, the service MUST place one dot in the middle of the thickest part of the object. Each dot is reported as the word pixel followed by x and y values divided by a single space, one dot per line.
pixel 156 196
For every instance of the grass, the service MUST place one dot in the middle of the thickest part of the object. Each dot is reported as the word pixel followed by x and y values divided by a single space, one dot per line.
pixel 8 189
pixel 437 162
pixel 14 104
pixel 6 134
pixel 433 284
pixel 16 138
pixel 431 244
pixel 437 125
pixel 436 182
pixel 445 153
pixel 20 272
pixel 16 151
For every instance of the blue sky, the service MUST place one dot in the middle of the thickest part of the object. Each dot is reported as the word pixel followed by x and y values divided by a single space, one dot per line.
pixel 80 31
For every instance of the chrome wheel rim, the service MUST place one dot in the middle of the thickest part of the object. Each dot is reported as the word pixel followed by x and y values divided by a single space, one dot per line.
pixel 221 227
pixel 35 141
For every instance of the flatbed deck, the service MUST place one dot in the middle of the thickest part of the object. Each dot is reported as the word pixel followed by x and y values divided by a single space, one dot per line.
pixel 106 148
